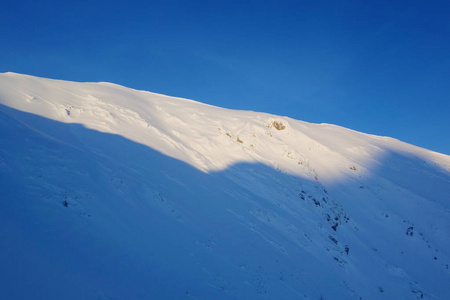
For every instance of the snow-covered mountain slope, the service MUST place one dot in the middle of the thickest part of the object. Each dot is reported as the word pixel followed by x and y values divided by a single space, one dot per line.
pixel 112 193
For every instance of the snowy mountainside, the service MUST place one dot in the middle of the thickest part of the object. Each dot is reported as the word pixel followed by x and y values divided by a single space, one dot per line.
pixel 113 193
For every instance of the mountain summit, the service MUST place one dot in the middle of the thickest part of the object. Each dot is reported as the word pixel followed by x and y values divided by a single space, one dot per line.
pixel 113 193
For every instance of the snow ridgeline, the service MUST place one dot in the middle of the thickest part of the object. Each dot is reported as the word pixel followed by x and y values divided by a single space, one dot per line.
pixel 136 195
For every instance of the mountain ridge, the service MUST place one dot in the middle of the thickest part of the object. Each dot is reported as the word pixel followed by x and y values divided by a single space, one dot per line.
pixel 231 192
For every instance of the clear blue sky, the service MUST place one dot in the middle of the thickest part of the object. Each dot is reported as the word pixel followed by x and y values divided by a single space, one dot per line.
pixel 380 67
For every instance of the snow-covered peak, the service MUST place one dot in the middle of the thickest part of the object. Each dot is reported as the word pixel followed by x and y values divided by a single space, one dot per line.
pixel 124 194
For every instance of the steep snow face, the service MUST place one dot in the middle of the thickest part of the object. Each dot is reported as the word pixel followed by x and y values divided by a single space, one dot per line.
pixel 113 193
pixel 209 138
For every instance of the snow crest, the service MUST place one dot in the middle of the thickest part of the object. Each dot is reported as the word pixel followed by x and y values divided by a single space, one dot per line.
pixel 113 193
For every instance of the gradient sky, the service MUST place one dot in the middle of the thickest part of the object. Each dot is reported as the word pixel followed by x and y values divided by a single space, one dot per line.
pixel 380 67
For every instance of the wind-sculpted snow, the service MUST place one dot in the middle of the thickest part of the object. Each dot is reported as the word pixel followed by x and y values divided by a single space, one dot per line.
pixel 113 193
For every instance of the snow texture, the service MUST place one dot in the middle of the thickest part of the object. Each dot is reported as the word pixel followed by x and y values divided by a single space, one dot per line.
pixel 112 193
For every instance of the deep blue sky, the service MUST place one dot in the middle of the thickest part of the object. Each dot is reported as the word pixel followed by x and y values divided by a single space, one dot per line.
pixel 380 67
